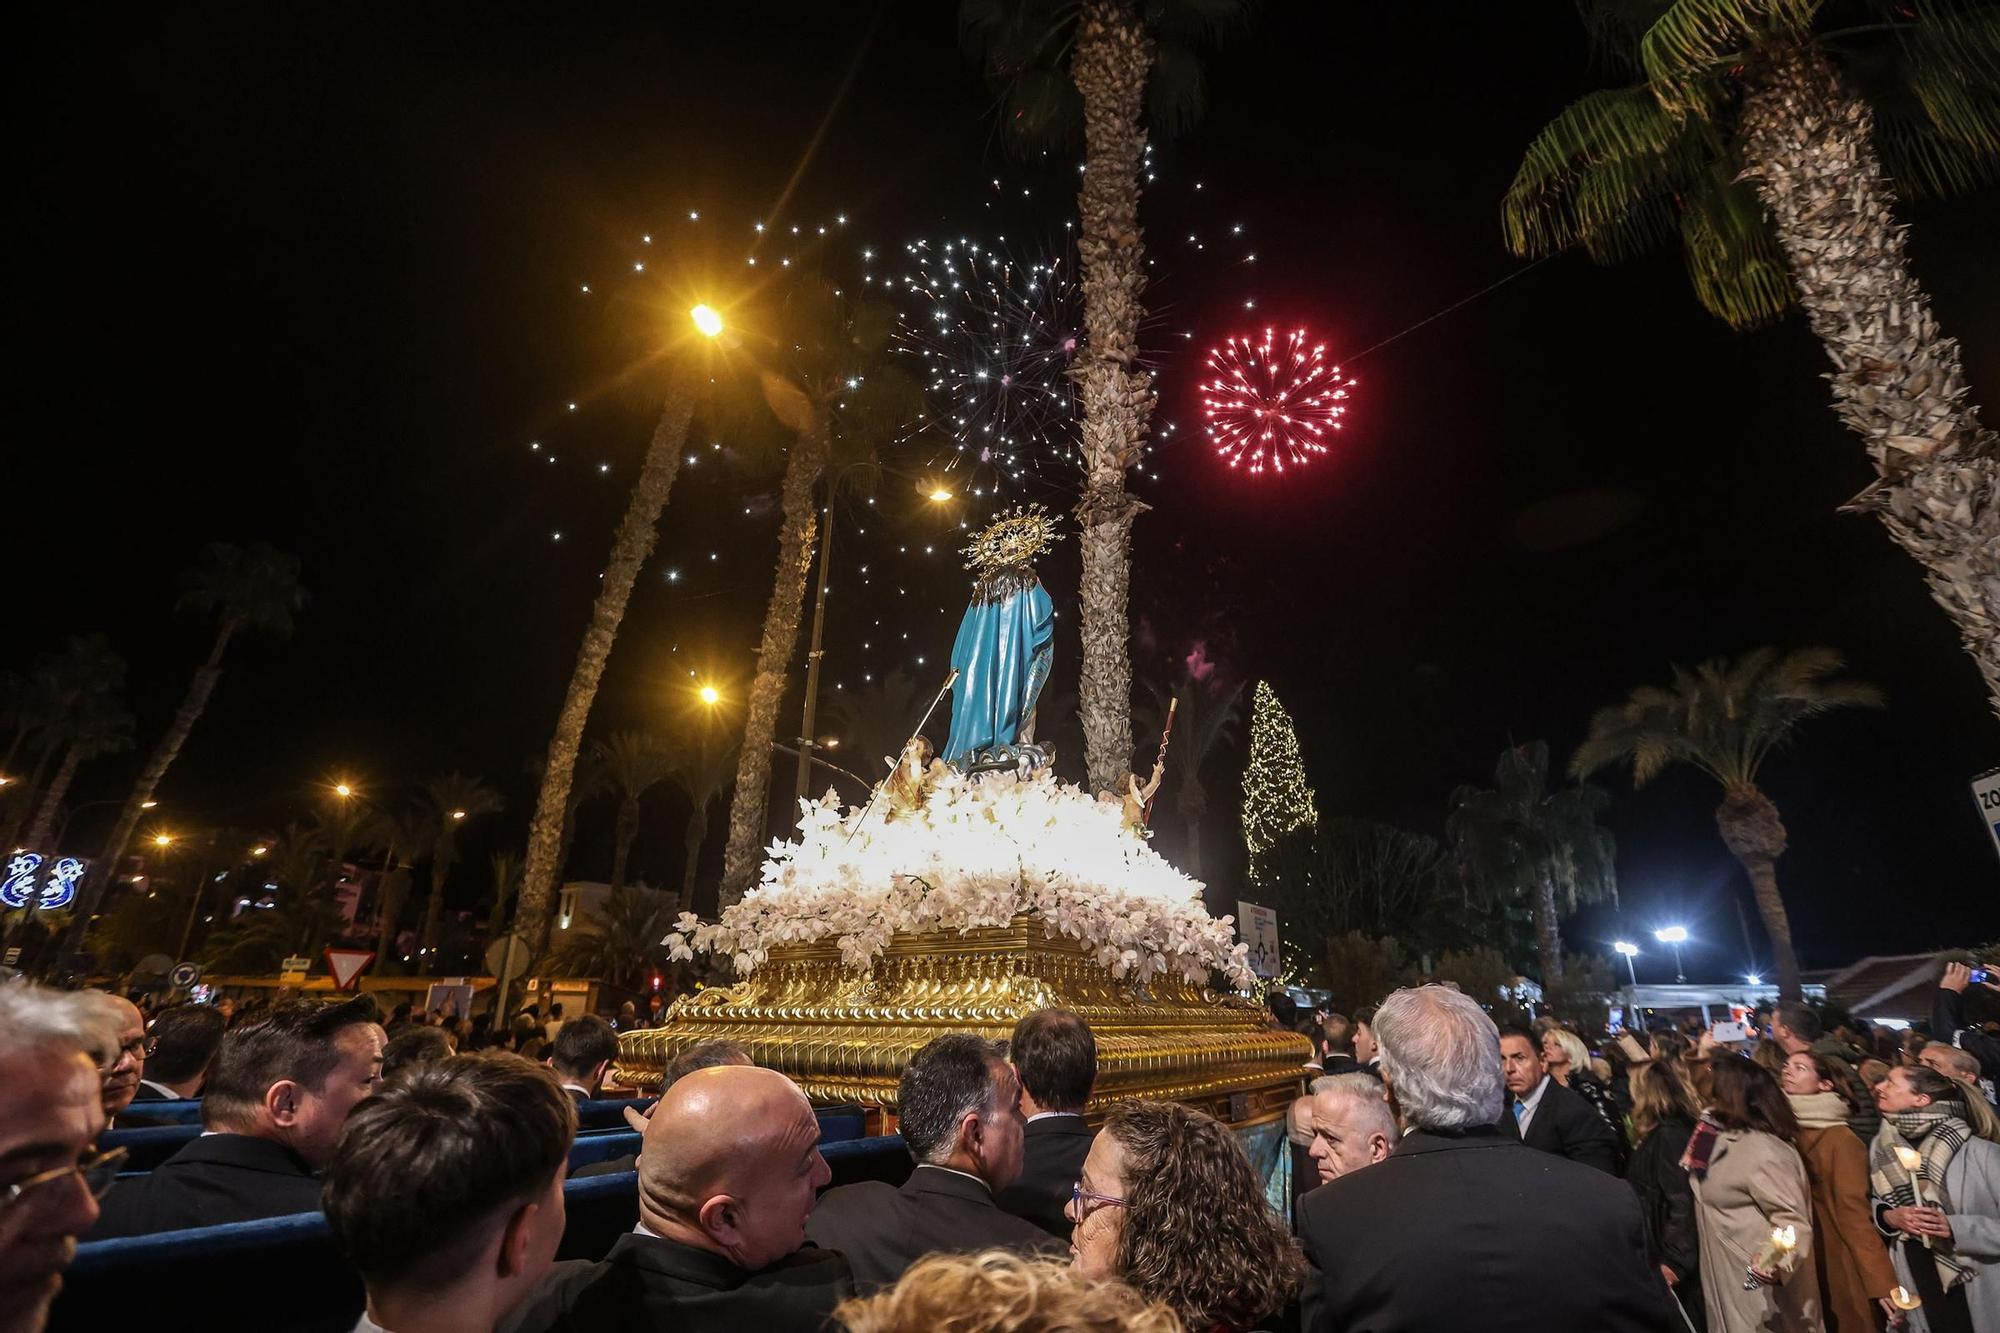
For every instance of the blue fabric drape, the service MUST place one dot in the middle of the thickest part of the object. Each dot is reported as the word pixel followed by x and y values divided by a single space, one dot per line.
pixel 1002 653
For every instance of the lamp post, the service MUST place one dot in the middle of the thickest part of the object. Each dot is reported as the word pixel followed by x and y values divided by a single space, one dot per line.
pixel 1630 951
pixel 1676 936
pixel 807 741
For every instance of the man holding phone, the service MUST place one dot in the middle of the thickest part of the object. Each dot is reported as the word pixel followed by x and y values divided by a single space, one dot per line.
pixel 1948 1020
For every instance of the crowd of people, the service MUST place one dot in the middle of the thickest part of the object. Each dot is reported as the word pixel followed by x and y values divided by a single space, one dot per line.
pixel 1815 1177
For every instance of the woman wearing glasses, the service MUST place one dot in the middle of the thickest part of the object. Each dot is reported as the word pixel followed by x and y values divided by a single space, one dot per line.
pixel 1169 1204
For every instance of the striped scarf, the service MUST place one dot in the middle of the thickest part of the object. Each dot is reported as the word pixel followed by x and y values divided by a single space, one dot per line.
pixel 1936 1134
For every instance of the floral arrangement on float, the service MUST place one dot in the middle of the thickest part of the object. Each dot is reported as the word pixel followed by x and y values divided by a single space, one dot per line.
pixel 963 853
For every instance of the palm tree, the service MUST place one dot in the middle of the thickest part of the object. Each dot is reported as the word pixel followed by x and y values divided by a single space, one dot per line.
pixel 506 881
pixel 1725 718
pixel 1767 138
pixel 1103 62
pixel 704 764
pixel 1521 840
pixel 448 801
pixel 62 685
pixel 839 393
pixel 623 945
pixel 400 838
pixel 637 533
pixel 254 588
pixel 1204 721
pixel 635 763
pixel 92 721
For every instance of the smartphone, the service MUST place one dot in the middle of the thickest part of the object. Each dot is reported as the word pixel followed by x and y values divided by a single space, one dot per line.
pixel 1981 975
pixel 1727 1032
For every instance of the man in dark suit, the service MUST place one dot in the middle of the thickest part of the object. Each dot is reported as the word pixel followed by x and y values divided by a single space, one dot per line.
pixel 581 1054
pixel 959 1110
pixel 1543 1114
pixel 1055 1060
pixel 1461 1221
pixel 727 1178
pixel 445 1191
pixel 180 1046
pixel 281 1089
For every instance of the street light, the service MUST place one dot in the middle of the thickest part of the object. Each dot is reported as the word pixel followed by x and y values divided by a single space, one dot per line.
pixel 1754 979
pixel 1676 936
pixel 710 695
pixel 708 320
pixel 940 495
pixel 458 814
pixel 342 790
pixel 163 839
pixel 148 805
pixel 1631 951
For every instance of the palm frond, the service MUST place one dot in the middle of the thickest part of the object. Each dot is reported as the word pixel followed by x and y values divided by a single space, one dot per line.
pixel 1176 90
pixel 1733 258
pixel 1688 44
pixel 1608 154
pixel 1924 164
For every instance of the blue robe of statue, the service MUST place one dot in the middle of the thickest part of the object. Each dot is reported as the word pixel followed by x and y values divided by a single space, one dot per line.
pixel 1002 653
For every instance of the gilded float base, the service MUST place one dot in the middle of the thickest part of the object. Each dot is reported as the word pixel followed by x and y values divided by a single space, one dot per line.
pixel 844 1035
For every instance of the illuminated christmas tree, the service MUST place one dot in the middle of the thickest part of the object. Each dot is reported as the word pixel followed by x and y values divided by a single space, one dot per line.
pixel 1276 799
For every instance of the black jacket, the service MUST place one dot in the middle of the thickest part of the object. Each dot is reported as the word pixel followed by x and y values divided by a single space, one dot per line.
pixel 882 1230
pixel 1568 1126
pixel 216 1178
pixel 1667 1201
pixel 649 1282
pixel 1449 1232
pixel 1948 1024
pixel 1052 1153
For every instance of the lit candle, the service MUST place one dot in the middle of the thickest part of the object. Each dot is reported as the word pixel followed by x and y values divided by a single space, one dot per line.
pixel 1904 1299
pixel 1783 1240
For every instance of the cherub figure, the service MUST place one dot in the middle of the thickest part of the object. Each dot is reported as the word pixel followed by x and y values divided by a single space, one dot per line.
pixel 1134 798
pixel 909 784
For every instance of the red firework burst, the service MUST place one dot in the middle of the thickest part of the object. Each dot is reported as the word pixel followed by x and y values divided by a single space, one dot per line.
pixel 1272 404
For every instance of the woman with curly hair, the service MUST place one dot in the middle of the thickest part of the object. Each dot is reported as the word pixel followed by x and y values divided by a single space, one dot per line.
pixel 1169 1204
pixel 1002 1292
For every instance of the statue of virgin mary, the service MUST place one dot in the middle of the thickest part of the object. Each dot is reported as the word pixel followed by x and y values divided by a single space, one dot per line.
pixel 1005 642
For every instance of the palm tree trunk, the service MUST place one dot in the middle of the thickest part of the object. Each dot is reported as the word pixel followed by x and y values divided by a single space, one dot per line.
pixel 749 810
pixel 627 830
pixel 43 824
pixel 637 533
pixel 1897 381
pixel 697 834
pixel 1112 58
pixel 1548 931
pixel 199 690
pixel 1755 836
pixel 26 801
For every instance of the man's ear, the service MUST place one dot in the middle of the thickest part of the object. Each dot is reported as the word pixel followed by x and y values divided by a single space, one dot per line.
pixel 721 1216
pixel 282 1102
pixel 517 1238
pixel 972 1132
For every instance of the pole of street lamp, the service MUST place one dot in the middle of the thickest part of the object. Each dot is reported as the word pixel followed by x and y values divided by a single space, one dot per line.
pixel 1680 973
pixel 806 732
pixel 1632 971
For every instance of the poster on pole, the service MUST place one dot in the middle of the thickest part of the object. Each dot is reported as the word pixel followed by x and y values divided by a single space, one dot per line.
pixel 1986 791
pixel 1257 927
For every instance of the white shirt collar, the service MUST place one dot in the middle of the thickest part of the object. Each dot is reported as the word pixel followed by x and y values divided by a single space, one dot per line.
pixel 578 1087
pixel 1044 1115
pixel 162 1089
pixel 930 1166
pixel 1534 1099
pixel 367 1325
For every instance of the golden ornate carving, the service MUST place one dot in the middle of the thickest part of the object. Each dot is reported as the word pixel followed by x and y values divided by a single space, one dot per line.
pixel 844 1035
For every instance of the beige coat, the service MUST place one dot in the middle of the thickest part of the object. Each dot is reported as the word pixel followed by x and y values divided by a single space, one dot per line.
pixel 1755 1182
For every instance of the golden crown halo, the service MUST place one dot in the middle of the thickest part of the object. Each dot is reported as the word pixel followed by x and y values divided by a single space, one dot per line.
pixel 1014 538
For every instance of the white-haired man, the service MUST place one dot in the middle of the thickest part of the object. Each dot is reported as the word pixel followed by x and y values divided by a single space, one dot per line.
pixel 1463 1217
pixel 1352 1125
pixel 52 1048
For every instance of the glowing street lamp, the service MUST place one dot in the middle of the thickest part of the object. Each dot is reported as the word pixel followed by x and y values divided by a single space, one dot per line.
pixel 1754 979
pixel 940 496
pixel 148 805
pixel 458 814
pixel 163 840
pixel 1630 951
pixel 342 790
pixel 259 850
pixel 1676 936
pixel 707 320
pixel 710 695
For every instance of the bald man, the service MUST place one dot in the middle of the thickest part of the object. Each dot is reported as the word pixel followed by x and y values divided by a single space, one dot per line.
pixel 121 1076
pixel 728 1174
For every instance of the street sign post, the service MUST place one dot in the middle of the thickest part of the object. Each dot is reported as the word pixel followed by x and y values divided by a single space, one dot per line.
pixel 346 966
pixel 1986 791
pixel 1257 926
pixel 184 975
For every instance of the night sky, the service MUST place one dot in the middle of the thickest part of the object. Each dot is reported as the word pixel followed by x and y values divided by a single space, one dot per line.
pixel 311 275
